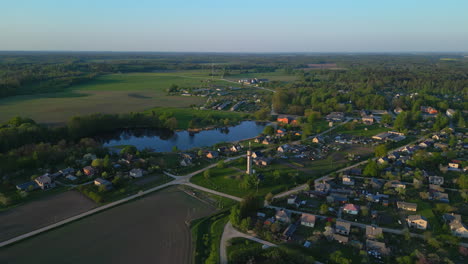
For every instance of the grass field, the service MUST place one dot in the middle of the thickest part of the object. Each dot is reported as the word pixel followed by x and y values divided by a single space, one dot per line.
pixel 360 130
pixel 149 230
pixel 278 75
pixel 114 93
pixel 39 213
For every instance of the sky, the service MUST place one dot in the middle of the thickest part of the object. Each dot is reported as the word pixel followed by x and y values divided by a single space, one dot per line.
pixel 235 25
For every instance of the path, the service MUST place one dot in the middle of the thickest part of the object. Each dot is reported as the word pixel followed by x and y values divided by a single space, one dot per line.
pixel 229 233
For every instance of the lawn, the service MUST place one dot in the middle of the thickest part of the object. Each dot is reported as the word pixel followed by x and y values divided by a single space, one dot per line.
pixel 152 229
pixel 360 130
pixel 113 93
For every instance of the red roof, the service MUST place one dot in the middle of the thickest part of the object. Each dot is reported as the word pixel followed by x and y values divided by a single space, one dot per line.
pixel 351 207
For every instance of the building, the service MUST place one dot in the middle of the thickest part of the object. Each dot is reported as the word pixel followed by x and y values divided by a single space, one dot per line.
pixel 373 232
pixel 67 171
pixel 347 180
pixel 407 206
pixel 283 216
pixel 27 186
pixel 212 155
pixel 417 221
pixel 317 140
pixel 351 209
pixel 377 183
pixel 450 112
pixel 436 180
pixel 88 170
pixel 101 182
pixel 342 228
pixel 289 231
pixel 376 247
pixel 288 120
pixel 136 173
pixel 335 116
pixel 368 120
pixel 341 239
pixel 308 220
pixel 44 182
pixel 456 226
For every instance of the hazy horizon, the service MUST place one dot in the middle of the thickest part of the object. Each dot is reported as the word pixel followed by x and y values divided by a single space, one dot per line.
pixel 235 27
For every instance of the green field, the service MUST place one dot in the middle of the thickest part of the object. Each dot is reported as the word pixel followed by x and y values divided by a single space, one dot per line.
pixel 114 93
pixel 278 75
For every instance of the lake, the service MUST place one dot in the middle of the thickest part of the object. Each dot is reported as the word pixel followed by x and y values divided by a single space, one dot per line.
pixel 164 140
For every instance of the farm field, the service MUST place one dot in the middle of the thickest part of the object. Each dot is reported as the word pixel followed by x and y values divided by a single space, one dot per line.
pixel 278 75
pixel 150 230
pixel 40 213
pixel 114 93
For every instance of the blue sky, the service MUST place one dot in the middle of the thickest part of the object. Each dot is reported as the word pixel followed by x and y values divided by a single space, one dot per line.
pixel 235 26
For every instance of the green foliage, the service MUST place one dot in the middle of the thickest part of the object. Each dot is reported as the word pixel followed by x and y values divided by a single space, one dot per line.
pixel 269 130
pixel 371 169
pixel 207 174
pixel 381 150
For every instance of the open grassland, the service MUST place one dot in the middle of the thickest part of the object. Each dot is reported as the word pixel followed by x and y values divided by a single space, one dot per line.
pixel 36 214
pixel 114 93
pixel 278 75
pixel 150 230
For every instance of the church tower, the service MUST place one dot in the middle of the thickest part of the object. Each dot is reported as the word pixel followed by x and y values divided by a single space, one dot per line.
pixel 249 161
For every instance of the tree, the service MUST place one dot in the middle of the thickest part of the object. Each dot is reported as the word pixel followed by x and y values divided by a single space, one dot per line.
pixel 269 130
pixel 269 197
pixel 220 164
pixel 171 123
pixel 262 114
pixel 245 223
pixel 381 150
pixel 275 227
pixel 371 169
pixel 107 162
pixel 387 119
pixel 323 209
pixel 337 257
pixel 97 163
pixel 128 150
pixel 207 174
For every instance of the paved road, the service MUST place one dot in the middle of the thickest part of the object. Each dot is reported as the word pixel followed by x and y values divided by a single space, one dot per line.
pixel 230 232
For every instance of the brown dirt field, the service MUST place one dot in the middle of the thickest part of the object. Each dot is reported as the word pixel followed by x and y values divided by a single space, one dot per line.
pixel 149 230
pixel 40 213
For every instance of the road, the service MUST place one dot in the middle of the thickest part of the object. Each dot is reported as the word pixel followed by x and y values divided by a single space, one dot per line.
pixel 229 233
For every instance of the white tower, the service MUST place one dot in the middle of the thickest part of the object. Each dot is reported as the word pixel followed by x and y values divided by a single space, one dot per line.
pixel 249 161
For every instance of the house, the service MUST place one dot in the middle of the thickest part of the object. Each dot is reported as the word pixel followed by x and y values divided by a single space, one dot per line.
pixel 308 220
pixel 88 170
pixel 287 120
pixel 373 232
pixel 262 161
pixel 44 182
pixel 136 173
pixel 289 231
pixel 376 183
pixel 439 196
pixel 257 154
pixel 368 120
pixel 269 221
pixel 322 187
pixel 212 154
pixel 417 221
pixel 71 177
pixel 382 160
pixel 347 180
pixel 317 140
pixel 292 199
pixel 351 209
pixel 283 216
pixel 436 180
pixel 67 171
pixel 283 148
pixel 396 184
pixel 27 186
pixel 341 239
pixel 281 131
pixel 267 141
pixel 456 226
pixel 441 145
pixel 235 148
pixel 407 206
pixel 259 139
pixel 101 182
pixel 375 246
pixel 452 166
pixel 185 162
pixel 429 110
pixel 342 228
pixel 337 198
pixel 398 110
pixel 335 116
pixel 450 112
